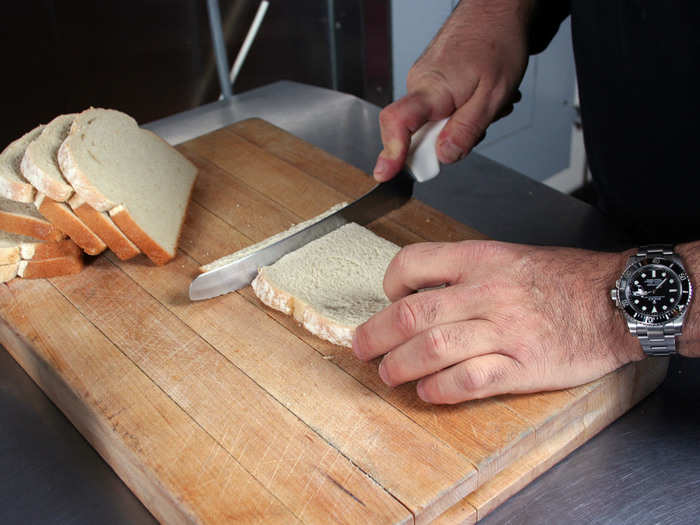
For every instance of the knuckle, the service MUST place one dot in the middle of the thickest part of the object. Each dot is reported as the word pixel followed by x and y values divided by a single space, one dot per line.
pixel 470 379
pixel 467 131
pixel 405 317
pixel 436 343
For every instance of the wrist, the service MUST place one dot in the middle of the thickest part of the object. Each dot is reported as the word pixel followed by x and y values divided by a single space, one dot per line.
pixel 626 346
pixel 689 341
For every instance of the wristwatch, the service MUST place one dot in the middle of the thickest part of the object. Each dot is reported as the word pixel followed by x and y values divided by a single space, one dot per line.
pixel 654 293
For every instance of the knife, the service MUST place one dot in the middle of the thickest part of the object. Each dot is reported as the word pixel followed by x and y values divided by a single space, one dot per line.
pixel 421 165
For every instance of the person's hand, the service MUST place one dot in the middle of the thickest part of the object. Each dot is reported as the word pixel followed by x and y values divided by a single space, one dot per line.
pixel 471 70
pixel 512 319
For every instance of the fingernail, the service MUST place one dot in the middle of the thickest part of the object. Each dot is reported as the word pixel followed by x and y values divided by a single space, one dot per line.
pixel 393 149
pixel 449 152
pixel 382 372
pixel 420 390
pixel 381 168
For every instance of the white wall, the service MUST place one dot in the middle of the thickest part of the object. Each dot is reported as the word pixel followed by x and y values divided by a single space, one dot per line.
pixel 536 138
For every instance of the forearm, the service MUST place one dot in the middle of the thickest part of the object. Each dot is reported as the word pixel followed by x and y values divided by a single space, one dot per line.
pixel 689 342
pixel 538 20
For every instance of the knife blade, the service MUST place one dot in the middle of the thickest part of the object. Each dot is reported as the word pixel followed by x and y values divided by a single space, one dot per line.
pixel 421 165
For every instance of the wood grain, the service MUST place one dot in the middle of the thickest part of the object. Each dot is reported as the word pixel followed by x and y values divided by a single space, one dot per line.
pixel 227 411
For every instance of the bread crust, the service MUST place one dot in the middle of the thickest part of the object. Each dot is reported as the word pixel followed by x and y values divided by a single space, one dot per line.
pixel 155 252
pixel 10 255
pixel 311 320
pixel 105 228
pixel 8 272
pixel 12 186
pixel 45 268
pixel 52 188
pixel 50 250
pixel 29 226
pixel 67 221
pixel 16 191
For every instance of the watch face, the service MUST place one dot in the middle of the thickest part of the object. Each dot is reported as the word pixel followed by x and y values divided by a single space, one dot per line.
pixel 655 290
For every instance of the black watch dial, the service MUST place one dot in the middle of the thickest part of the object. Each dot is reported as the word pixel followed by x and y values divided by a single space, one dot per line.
pixel 655 291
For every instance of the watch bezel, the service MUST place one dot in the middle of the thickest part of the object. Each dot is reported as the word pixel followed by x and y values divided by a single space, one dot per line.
pixel 663 318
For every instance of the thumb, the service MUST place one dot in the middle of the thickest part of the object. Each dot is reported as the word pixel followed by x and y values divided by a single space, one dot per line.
pixel 398 121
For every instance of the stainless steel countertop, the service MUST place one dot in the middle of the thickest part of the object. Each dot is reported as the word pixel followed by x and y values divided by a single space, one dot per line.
pixel 645 468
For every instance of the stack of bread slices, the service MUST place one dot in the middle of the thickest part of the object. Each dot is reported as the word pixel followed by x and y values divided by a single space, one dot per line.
pixel 97 179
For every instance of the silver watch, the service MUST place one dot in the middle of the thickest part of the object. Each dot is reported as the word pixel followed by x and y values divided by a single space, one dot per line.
pixel 654 293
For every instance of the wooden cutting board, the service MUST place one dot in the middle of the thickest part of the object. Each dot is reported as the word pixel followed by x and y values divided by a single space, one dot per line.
pixel 226 411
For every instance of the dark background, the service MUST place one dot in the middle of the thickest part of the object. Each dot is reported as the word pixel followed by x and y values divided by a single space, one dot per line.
pixel 154 58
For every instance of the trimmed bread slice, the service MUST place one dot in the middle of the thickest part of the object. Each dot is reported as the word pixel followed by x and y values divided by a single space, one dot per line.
pixel 332 284
pixel 142 181
pixel 39 163
pixel 14 248
pixel 24 219
pixel 12 185
pixel 65 220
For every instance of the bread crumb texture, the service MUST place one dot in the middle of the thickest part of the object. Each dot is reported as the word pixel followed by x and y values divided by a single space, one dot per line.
pixel 332 284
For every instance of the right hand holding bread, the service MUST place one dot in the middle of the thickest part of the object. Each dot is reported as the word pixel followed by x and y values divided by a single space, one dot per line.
pixel 471 70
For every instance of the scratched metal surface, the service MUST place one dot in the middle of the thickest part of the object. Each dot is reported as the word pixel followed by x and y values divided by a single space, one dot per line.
pixel 643 469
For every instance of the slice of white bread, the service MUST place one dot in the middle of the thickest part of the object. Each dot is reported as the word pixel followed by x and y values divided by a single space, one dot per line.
pixel 65 220
pixel 270 240
pixel 332 284
pixel 14 248
pixel 24 219
pixel 12 185
pixel 39 163
pixel 142 181
pixel 41 269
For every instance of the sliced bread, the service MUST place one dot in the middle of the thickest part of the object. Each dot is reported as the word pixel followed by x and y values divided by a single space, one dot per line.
pixel 143 182
pixel 39 163
pixel 24 219
pixel 14 248
pixel 13 185
pixel 40 167
pixel 332 284
pixel 58 213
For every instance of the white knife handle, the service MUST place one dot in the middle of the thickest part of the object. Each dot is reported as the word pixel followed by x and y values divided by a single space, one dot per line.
pixel 422 159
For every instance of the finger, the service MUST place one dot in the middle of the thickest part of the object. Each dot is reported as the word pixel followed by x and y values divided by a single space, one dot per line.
pixel 398 121
pixel 482 376
pixel 416 313
pixel 425 265
pixel 464 129
pixel 436 348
